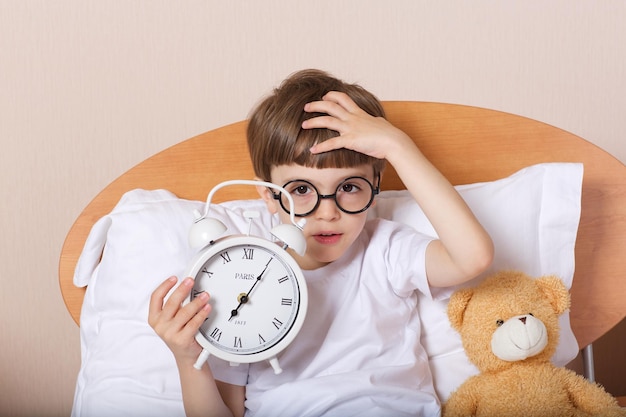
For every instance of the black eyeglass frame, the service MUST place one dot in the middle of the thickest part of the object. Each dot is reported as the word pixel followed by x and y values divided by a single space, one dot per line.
pixel 375 191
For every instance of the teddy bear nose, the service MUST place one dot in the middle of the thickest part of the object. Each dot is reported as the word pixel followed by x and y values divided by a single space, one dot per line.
pixel 523 320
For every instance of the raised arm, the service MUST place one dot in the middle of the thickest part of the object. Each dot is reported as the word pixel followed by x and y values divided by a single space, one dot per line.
pixel 464 248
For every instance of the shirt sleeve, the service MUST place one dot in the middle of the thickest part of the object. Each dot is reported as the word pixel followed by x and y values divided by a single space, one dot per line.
pixel 404 251
pixel 235 374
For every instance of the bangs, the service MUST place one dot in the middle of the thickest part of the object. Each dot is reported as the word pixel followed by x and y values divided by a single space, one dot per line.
pixel 339 158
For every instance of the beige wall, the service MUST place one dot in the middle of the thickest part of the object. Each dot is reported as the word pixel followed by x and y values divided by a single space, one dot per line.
pixel 89 88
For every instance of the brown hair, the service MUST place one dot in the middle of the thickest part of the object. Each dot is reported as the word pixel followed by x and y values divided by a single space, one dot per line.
pixel 275 134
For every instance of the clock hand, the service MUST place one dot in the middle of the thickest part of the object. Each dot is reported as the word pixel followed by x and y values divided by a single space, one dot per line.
pixel 244 298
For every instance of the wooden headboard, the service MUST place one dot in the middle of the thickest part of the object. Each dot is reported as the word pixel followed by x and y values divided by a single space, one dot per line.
pixel 467 144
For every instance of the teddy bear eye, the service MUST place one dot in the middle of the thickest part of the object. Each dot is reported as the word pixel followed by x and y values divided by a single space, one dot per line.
pixel 499 322
pixel 531 314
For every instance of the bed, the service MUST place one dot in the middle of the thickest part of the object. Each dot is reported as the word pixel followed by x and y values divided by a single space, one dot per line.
pixel 505 165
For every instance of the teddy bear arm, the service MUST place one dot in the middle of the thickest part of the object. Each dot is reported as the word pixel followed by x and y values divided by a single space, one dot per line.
pixel 462 402
pixel 590 397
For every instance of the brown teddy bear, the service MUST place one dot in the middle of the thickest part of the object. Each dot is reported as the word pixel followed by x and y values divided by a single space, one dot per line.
pixel 509 328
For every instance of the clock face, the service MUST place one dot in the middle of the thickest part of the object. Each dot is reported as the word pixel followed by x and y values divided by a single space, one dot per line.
pixel 258 298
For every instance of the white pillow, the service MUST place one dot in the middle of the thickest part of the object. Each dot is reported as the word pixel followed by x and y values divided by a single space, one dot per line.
pixel 126 368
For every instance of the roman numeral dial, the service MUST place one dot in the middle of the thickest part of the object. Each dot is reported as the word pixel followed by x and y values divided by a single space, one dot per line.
pixel 258 298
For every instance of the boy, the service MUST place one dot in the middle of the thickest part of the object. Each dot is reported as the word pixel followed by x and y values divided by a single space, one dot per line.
pixel 359 349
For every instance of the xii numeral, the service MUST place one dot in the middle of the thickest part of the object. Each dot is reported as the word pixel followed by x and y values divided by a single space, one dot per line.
pixel 248 253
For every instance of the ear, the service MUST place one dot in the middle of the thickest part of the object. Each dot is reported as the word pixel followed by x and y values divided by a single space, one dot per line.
pixel 457 306
pixel 268 197
pixel 555 291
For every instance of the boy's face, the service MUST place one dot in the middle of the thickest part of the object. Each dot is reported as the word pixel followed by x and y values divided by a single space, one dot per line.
pixel 329 231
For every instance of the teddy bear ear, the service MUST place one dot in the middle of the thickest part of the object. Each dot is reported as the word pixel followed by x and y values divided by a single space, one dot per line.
pixel 457 305
pixel 555 291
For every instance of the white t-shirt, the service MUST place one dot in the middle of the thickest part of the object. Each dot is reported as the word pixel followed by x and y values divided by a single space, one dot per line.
pixel 359 351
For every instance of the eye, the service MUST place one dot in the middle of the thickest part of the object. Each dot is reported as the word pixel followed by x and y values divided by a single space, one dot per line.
pixel 531 314
pixel 350 188
pixel 499 322
pixel 299 188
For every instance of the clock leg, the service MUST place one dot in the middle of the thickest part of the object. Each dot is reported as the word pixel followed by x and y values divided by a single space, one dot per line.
pixel 204 355
pixel 275 365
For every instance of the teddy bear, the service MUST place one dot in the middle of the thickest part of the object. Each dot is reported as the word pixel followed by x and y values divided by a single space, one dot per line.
pixel 509 329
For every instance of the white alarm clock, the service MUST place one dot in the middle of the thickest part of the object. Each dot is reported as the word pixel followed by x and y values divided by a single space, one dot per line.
pixel 258 293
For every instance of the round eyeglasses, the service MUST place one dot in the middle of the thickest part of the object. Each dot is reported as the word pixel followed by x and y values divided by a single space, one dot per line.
pixel 353 195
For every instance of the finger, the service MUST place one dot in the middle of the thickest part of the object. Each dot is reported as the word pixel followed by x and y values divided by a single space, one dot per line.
pixel 158 295
pixel 193 324
pixel 343 100
pixel 335 104
pixel 184 315
pixel 173 303
pixel 337 142
pixel 330 108
pixel 324 122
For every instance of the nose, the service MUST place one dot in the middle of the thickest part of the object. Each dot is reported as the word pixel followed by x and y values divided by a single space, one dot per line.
pixel 327 209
